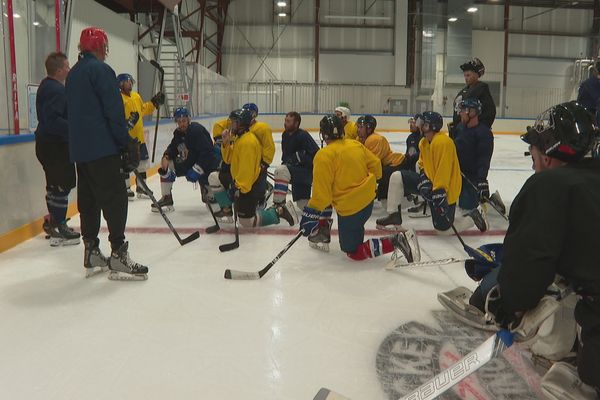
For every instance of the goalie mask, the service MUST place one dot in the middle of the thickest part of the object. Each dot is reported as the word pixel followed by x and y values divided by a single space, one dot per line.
pixel 565 132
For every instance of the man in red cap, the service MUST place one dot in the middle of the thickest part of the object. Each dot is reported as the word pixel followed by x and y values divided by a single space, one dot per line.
pixel 98 137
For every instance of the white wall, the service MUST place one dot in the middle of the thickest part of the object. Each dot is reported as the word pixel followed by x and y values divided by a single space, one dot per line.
pixel 357 68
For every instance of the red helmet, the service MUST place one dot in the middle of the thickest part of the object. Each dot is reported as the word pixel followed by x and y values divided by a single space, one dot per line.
pixel 93 39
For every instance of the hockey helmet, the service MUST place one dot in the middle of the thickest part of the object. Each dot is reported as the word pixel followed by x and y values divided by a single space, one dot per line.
pixel 93 39
pixel 243 118
pixel 565 131
pixel 433 119
pixel 331 128
pixel 181 112
pixel 252 107
pixel 470 103
pixel 124 78
pixel 345 111
pixel 475 65
pixel 368 120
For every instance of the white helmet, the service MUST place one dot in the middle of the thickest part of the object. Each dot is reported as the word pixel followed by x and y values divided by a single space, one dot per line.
pixel 344 110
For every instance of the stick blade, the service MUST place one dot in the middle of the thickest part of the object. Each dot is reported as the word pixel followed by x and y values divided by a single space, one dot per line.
pixel 241 275
pixel 156 65
pixel 212 229
pixel 229 246
pixel 326 394
pixel 190 238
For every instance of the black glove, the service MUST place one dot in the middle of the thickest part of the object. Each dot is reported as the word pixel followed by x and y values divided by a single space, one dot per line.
pixel 296 159
pixel 133 119
pixel 130 156
pixel 264 167
pixel 483 189
pixel 158 99
pixel 424 186
pixel 439 201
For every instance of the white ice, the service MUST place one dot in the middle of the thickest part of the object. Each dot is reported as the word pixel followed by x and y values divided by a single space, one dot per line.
pixel 314 320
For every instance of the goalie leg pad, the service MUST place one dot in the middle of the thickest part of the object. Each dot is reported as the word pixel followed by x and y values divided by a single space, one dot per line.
pixel 562 382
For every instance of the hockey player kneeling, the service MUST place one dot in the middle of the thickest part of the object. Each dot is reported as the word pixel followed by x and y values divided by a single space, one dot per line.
pixel 243 152
pixel 344 176
pixel 554 221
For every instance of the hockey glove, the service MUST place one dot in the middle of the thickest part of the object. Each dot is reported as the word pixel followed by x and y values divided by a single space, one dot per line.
pixel 483 189
pixel 296 159
pixel 424 186
pixel 158 99
pixel 133 119
pixel 263 167
pixel 130 156
pixel 485 259
pixel 194 174
pixel 309 221
pixel 439 202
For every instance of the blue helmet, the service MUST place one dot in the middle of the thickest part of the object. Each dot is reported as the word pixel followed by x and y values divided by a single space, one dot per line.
pixel 433 119
pixel 181 112
pixel 252 107
pixel 125 77
pixel 470 103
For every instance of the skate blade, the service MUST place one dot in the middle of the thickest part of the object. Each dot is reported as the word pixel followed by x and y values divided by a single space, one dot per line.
pixel 124 276
pixel 324 247
pixel 93 271
pixel 419 215
pixel 166 209
pixel 57 242
pixel 391 228
pixel 143 196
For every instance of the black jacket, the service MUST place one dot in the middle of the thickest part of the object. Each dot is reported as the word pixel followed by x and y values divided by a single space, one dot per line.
pixel 51 108
pixel 198 145
pixel 298 149
pixel 474 147
pixel 480 91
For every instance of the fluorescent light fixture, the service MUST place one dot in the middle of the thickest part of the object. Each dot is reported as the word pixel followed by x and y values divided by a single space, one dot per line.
pixel 472 9
pixel 16 15
pixel 35 23
pixel 356 17
pixel 427 34
pixel 282 14
pixel 452 19
pixel 281 4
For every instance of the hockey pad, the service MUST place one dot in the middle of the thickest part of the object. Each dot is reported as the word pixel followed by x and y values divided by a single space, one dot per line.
pixel 562 382
pixel 480 265
pixel 556 336
pixel 456 301
pixel 527 327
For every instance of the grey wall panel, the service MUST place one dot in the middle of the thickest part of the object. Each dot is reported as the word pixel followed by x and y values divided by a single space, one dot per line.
pixel 357 68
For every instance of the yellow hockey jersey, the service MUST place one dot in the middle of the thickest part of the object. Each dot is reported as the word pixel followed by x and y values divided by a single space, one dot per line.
pixel 244 155
pixel 351 130
pixel 345 175
pixel 134 103
pixel 439 160
pixel 263 133
pixel 380 146
pixel 219 127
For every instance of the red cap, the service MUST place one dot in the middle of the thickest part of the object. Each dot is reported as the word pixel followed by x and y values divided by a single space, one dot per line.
pixel 92 39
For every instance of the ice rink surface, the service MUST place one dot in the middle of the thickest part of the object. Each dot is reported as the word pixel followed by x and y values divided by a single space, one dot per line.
pixel 314 320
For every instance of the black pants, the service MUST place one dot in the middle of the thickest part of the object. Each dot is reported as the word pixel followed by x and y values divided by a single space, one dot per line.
pixel 59 171
pixel 101 187
pixel 246 203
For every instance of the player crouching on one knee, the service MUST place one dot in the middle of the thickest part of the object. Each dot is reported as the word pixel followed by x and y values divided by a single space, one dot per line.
pixel 242 151
pixel 554 222
pixel 344 175
pixel 439 182
pixel 190 154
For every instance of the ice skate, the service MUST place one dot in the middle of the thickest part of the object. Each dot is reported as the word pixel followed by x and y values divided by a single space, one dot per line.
pixel 419 210
pixel 94 261
pixel 456 301
pixel 141 194
pixel 393 222
pixel 496 200
pixel 406 245
pixel 224 216
pixel 478 216
pixel 268 192
pixel 130 194
pixel 562 382
pixel 165 203
pixel 287 212
pixel 47 227
pixel 321 238
pixel 63 235
pixel 124 268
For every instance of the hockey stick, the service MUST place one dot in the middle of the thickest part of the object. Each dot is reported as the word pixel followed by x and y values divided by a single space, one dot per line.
pixel 161 74
pixel 486 201
pixel 432 263
pixel 216 227
pixel 452 375
pixel 142 183
pixel 475 253
pixel 242 275
pixel 236 243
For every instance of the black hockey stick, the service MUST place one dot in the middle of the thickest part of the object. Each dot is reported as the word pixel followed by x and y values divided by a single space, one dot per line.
pixel 142 183
pixel 486 200
pixel 214 228
pixel 242 275
pixel 161 74
pixel 236 243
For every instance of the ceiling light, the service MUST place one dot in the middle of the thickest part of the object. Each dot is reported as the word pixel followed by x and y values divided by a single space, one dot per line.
pixel 428 34
pixel 282 14
pixel 281 4
pixel 16 15
pixel 452 19
pixel 472 9
pixel 35 23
